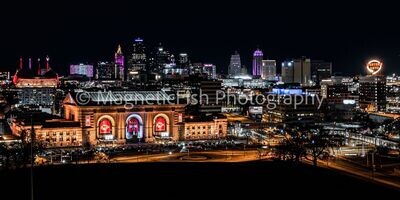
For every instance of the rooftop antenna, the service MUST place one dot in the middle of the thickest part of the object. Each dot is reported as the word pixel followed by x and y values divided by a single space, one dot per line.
pixel 38 72
pixel 47 63
pixel 20 63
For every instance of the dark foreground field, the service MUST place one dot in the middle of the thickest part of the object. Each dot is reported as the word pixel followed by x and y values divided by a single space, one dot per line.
pixel 186 181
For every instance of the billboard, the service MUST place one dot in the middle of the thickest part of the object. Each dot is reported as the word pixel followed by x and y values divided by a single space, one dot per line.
pixel 133 126
pixel 87 120
pixel 105 127
pixel 349 101
pixel 160 125
pixel 374 66
pixel 255 109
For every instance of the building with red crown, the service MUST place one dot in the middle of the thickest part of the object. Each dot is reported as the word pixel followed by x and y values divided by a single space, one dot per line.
pixel 36 89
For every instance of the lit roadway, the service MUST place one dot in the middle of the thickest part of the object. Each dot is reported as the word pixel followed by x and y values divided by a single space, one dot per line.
pixel 205 156
pixel 358 170
pixel 236 117
pixel 339 164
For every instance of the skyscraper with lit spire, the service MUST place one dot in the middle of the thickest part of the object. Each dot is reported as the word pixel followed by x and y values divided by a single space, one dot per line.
pixel 257 62
pixel 137 60
pixel 119 62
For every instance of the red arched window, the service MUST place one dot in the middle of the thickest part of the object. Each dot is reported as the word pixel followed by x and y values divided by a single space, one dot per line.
pixel 105 127
pixel 160 125
pixel 133 125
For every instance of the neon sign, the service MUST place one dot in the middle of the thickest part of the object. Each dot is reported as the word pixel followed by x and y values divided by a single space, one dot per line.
pixel 374 66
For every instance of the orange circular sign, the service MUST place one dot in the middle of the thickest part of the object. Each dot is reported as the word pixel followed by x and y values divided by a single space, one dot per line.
pixel 374 66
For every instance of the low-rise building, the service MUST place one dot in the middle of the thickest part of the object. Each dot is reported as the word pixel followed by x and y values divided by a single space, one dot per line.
pixel 200 128
pixel 51 130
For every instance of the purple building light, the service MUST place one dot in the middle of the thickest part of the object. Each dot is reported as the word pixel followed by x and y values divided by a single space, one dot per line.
pixel 81 69
pixel 119 61
pixel 257 62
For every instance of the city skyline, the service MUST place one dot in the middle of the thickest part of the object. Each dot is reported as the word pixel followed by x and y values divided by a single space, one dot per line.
pixel 247 63
pixel 217 95
pixel 82 37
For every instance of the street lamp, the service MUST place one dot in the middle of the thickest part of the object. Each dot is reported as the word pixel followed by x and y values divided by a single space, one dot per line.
pixel 32 141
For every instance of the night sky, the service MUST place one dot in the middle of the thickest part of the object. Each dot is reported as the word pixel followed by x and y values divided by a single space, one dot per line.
pixel 347 35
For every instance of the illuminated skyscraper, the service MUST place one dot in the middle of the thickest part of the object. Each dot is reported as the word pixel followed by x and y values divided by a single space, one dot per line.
pixel 162 59
pixel 137 62
pixel 320 70
pixel 373 92
pixel 196 68
pixel 287 72
pixel 210 70
pixel 183 62
pixel 120 63
pixel 107 71
pixel 302 71
pixel 183 59
pixel 257 63
pixel 235 65
pixel 269 70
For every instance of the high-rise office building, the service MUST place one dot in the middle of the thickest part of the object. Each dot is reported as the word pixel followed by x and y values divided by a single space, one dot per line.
pixel 285 113
pixel 257 63
pixel 269 70
pixel 183 60
pixel 196 68
pixel 234 65
pixel 183 63
pixel 302 71
pixel 81 69
pixel 392 96
pixel 320 70
pixel 162 59
pixel 107 71
pixel 210 70
pixel 206 95
pixel 120 63
pixel 373 92
pixel 287 72
pixel 137 62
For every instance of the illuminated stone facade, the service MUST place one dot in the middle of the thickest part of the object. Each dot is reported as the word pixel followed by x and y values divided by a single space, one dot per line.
pixel 50 132
pixel 119 124
pixel 214 129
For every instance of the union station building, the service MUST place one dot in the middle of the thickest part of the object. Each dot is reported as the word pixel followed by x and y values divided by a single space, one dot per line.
pixel 135 116
pixel 120 117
